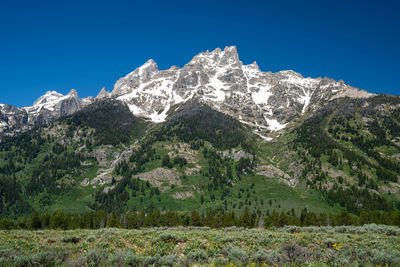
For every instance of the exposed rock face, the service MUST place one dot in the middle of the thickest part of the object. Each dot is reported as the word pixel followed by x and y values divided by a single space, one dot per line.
pixel 103 94
pixel 264 100
pixel 45 109
pixel 237 155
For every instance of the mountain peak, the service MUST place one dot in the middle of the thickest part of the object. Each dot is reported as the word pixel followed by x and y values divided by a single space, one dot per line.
pixel 47 97
pixel 103 94
pixel 73 93
pixel 231 49
pixel 146 71
pixel 125 84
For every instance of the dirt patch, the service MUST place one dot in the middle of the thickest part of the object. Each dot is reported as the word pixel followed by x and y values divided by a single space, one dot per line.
pixel 104 177
pixel 337 173
pixel 271 172
pixel 183 195
pixel 191 171
pixel 182 150
pixel 161 178
pixel 108 189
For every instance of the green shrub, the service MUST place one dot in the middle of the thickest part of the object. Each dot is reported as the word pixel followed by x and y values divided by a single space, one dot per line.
pixel 96 257
pixel 91 238
pixel 329 242
pixel 237 255
pixel 169 237
pixel 45 258
pixel 8 253
pixel 140 260
pixel 71 239
pixel 220 261
pixel 385 259
pixel 260 256
pixel 119 258
pixel 197 256
pixel 5 262
pixel 168 260
pixel 292 252
pixel 22 261
pixel 7 224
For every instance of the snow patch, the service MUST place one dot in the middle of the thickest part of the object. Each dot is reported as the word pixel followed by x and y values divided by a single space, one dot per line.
pixel 305 100
pixel 263 137
pixel 155 117
pixel 274 125
pixel 296 79
pixel 262 96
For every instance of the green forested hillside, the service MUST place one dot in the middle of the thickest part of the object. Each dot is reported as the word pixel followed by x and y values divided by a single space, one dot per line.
pixel 344 156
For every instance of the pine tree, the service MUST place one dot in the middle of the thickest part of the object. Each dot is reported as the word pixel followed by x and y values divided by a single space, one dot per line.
pixel 113 221
pixel 35 221
pixel 195 219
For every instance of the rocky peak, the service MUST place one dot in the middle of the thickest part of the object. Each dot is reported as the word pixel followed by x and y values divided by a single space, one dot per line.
pixel 125 84
pixel 147 70
pixel 47 97
pixel 253 66
pixel 230 57
pixel 72 93
pixel 103 94
pixel 217 58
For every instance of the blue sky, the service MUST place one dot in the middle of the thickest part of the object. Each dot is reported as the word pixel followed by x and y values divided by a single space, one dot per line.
pixel 59 45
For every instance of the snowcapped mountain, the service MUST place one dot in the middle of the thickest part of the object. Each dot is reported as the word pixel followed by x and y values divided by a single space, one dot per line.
pixel 264 100
pixel 45 109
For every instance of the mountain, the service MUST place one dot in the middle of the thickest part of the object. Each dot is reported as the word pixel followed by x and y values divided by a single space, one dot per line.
pixel 45 109
pixel 212 135
pixel 265 101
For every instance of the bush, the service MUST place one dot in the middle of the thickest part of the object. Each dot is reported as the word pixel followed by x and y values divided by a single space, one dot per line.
pixel 45 258
pixel 96 257
pixel 237 255
pixel 5 262
pixel 198 256
pixel 168 237
pixel 7 224
pixel 71 239
pixel 220 261
pixel 292 252
pixel 385 259
pixel 22 260
pixel 7 253
pixel 91 238
pixel 140 260
pixel 119 258
pixel 260 256
pixel 168 260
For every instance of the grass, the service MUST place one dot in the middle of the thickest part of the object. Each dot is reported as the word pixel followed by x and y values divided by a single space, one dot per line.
pixel 369 245
pixel 283 196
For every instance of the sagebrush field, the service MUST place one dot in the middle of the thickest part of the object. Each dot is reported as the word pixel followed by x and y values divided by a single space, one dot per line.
pixel 368 245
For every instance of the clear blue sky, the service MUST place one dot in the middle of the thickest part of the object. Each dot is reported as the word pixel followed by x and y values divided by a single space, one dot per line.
pixel 59 45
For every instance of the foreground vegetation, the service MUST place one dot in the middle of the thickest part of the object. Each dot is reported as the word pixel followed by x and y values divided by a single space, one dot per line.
pixel 189 246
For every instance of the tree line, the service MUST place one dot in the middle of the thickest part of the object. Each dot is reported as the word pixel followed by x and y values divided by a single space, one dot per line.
pixel 212 218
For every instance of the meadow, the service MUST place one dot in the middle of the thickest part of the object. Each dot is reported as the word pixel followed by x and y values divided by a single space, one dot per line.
pixel 368 245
